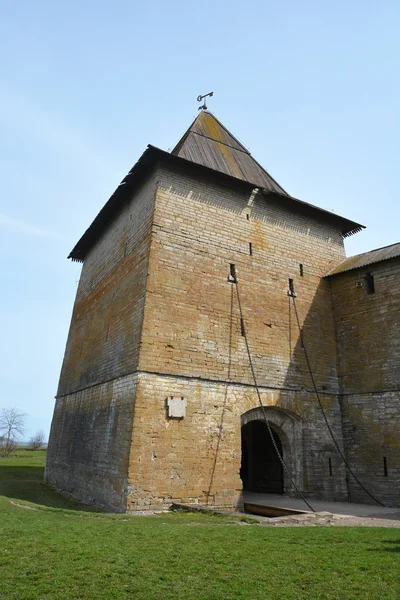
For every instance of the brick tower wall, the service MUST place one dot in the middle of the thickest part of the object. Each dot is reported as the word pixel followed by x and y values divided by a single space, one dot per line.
pixel 192 345
pixel 368 341
pixel 90 436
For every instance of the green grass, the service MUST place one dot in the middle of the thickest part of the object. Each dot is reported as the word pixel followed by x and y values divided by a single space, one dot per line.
pixel 21 477
pixel 49 551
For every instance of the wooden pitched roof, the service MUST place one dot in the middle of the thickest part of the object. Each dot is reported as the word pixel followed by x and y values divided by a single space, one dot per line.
pixel 209 146
pixel 208 142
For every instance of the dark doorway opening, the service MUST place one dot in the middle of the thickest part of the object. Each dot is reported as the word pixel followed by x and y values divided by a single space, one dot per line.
pixel 261 470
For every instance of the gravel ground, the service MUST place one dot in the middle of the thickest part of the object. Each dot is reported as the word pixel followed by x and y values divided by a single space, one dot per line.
pixel 326 519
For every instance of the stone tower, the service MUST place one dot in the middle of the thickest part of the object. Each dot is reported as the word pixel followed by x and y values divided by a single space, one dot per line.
pixel 156 401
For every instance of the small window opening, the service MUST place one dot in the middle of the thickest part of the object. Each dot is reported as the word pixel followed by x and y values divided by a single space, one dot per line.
pixel 369 284
pixel 291 286
pixel 385 471
pixel 250 249
pixel 242 329
pixel 301 270
pixel 232 273
pixel 330 467
pixel 248 216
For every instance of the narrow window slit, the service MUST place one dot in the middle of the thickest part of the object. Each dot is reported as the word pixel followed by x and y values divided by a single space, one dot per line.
pixel 385 471
pixel 242 329
pixel 250 249
pixel 330 467
pixel 232 273
pixel 291 286
pixel 369 284
pixel 301 269
pixel 248 216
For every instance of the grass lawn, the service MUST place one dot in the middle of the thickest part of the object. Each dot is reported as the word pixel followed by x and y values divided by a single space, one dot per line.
pixel 52 549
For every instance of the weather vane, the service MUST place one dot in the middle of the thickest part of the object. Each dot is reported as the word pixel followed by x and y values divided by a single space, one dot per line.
pixel 200 98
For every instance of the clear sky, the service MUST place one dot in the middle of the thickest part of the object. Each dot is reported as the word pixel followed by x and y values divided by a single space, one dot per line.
pixel 311 88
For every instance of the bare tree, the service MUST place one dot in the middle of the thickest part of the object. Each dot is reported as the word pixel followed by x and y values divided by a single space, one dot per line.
pixel 37 440
pixel 12 424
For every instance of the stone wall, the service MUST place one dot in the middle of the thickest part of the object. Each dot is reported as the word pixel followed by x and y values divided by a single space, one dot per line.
pixel 368 341
pixel 199 229
pixel 192 345
pixel 197 459
pixel 155 317
pixel 104 336
pixel 90 437
pixel 89 444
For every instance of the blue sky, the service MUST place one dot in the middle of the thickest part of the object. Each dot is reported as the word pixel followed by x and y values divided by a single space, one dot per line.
pixel 311 88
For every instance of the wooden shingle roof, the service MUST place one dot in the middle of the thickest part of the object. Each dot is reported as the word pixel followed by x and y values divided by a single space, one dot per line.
pixel 212 149
pixel 208 142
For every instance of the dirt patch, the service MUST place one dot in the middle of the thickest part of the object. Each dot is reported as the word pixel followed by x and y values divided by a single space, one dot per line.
pixel 22 505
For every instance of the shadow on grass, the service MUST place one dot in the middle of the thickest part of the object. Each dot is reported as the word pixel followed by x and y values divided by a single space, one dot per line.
pixel 394 546
pixel 26 483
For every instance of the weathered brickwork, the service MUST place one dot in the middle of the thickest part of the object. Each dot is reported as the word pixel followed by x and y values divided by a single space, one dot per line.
pixel 90 435
pixel 192 330
pixel 104 337
pixel 197 459
pixel 368 342
pixel 200 229
pixel 89 443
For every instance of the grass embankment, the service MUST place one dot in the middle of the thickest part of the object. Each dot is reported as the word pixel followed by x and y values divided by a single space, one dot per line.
pixel 49 551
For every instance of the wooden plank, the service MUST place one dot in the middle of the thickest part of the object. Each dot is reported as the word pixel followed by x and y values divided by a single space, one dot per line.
pixel 271 511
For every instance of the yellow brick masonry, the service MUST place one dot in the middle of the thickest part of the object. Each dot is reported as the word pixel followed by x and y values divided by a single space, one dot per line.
pixel 155 317
pixel 368 339
pixel 192 345
pixel 91 430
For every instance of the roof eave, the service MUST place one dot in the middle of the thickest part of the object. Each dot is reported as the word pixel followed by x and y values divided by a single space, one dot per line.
pixel 92 233
pixel 348 228
pixel 148 159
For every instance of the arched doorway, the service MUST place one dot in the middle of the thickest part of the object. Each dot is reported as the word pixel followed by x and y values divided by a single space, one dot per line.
pixel 261 470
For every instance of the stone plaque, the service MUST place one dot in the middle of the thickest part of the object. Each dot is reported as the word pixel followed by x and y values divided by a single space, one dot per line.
pixel 176 408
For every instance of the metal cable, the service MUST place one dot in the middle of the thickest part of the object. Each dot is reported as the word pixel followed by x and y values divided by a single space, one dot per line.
pixel 323 410
pixel 220 427
pixel 260 401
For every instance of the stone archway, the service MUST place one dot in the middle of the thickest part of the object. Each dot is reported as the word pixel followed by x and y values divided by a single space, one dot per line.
pixel 261 470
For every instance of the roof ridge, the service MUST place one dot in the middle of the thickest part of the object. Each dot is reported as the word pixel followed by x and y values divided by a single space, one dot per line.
pixel 183 138
pixel 376 249
pixel 208 137
pixel 365 259
pixel 246 150
pixel 215 146
pixel 227 131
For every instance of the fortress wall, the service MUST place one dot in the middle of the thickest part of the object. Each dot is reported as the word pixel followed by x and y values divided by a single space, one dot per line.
pixel 368 342
pixel 90 437
pixel 197 458
pixel 104 336
pixel 192 341
pixel 199 229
